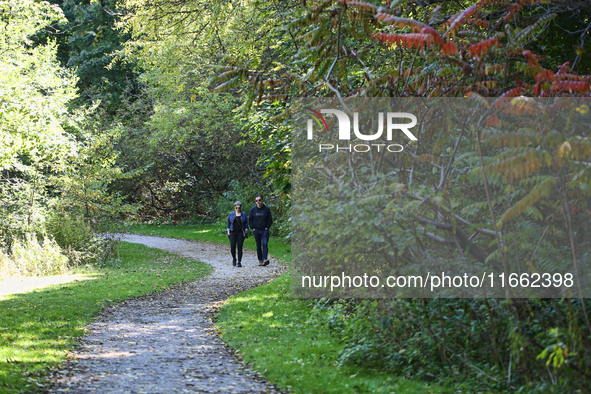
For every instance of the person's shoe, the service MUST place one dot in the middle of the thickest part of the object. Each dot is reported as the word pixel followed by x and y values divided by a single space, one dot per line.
pixel 239 265
pixel 261 263
pixel 266 263
pixel 234 263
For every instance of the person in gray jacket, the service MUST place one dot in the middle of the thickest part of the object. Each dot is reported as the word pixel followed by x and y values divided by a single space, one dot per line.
pixel 260 219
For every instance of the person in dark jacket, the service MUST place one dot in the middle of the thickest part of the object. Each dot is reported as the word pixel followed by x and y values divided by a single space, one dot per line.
pixel 237 228
pixel 260 222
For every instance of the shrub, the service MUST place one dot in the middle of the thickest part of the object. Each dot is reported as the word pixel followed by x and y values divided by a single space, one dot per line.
pixel 77 240
pixel 527 345
pixel 30 257
pixel 70 233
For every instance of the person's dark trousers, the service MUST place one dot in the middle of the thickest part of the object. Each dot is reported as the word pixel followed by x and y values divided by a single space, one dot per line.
pixel 262 239
pixel 236 240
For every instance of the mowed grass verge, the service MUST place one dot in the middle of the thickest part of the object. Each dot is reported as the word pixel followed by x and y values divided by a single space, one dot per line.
pixel 282 337
pixel 287 340
pixel 39 327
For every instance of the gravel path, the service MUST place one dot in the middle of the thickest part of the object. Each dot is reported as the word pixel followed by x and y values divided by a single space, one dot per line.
pixel 165 342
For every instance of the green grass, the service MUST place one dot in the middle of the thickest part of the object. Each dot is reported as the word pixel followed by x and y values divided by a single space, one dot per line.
pixel 207 233
pixel 39 327
pixel 283 337
pixel 289 344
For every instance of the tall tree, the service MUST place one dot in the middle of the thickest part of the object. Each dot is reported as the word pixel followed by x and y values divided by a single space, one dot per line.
pixel 180 47
pixel 88 41
pixel 34 95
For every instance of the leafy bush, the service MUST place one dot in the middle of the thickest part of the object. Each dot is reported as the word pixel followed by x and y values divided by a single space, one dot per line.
pixel 526 346
pixel 30 257
pixel 61 243
pixel 69 233
pixel 77 240
pixel 281 209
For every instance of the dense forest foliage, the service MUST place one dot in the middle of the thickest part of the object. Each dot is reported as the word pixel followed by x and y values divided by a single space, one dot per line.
pixel 56 164
pixel 158 110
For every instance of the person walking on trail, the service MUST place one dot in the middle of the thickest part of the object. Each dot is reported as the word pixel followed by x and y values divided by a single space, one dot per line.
pixel 260 222
pixel 237 228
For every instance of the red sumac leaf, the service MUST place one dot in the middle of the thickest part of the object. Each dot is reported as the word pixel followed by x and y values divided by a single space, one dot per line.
pixel 416 26
pixel 478 23
pixel 413 40
pixel 433 33
pixel 478 98
pixel 515 8
pixel 449 48
pixel 570 86
pixel 546 75
pixel 456 21
pixel 565 68
pixel 362 5
pixel 569 77
pixel 500 102
pixel 493 121
pixel 479 49
pixel 532 61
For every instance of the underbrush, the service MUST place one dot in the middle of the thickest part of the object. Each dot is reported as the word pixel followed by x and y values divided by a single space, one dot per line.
pixel 59 245
pixel 33 257
pixel 475 345
pixel 79 241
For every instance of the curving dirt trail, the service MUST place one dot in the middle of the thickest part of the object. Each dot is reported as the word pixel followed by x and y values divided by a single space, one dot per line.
pixel 164 342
